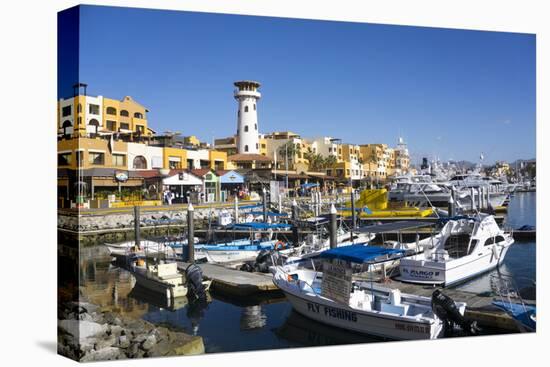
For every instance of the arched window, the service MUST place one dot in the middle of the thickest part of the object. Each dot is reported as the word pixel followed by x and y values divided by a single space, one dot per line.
pixel 245 108
pixel 256 127
pixel 254 106
pixel 246 148
pixel 245 128
pixel 111 111
pixel 124 113
pixel 66 124
pixel 140 162
pixel 138 115
pixel 94 122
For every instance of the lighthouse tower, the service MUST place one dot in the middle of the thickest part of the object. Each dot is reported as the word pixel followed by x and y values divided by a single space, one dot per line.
pixel 248 140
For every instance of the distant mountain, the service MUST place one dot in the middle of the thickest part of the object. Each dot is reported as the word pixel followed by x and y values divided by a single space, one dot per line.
pixel 464 164
pixel 518 162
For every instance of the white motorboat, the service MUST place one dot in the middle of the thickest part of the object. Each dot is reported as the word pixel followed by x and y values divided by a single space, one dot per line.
pixel 362 307
pixel 164 279
pixel 467 247
pixel 146 248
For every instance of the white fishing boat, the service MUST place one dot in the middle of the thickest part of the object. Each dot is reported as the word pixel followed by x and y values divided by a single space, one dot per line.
pixel 468 246
pixel 145 248
pixel 333 298
pixel 164 279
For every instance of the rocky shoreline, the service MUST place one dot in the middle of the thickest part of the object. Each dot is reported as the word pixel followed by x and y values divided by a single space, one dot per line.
pixel 86 334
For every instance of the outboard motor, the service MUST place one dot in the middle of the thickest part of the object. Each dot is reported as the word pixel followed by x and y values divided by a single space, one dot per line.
pixel 264 260
pixel 196 289
pixel 445 308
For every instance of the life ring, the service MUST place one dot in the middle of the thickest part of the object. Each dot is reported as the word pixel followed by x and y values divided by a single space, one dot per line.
pixel 279 245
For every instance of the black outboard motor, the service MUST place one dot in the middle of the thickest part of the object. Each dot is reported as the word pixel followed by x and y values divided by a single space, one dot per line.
pixel 264 260
pixel 445 308
pixel 196 289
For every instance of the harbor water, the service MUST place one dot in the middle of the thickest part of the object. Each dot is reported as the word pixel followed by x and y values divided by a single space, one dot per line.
pixel 227 324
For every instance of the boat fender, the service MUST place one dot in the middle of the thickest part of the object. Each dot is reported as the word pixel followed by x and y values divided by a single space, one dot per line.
pixel 195 287
pixel 279 245
pixel 445 308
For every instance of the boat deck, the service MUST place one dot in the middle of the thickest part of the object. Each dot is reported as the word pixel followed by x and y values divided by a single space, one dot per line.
pixel 479 306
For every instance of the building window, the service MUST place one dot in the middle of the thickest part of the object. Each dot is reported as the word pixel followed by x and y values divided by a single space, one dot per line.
pixel 190 164
pixel 257 146
pixel 66 124
pixel 254 106
pixel 124 113
pixel 140 162
pixel 79 158
pixel 94 122
pixel 64 159
pixel 119 160
pixel 138 115
pixel 111 125
pixel 246 148
pixel 245 108
pixel 245 128
pixel 96 158
pixel 263 146
pixel 140 129
pixel 239 113
pixel 124 126
pixel 79 108
pixel 256 127
pixel 93 109
pixel 66 111
pixel 111 111
pixel 174 163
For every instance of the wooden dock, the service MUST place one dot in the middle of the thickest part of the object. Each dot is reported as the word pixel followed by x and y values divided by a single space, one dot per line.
pixel 235 282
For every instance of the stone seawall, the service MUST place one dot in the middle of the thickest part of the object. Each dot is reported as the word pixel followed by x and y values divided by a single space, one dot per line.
pixel 92 227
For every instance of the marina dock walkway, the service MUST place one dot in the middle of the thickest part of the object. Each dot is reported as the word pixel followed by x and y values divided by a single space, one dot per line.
pixel 235 282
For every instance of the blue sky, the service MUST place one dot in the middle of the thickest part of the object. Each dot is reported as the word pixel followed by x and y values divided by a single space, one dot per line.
pixel 450 93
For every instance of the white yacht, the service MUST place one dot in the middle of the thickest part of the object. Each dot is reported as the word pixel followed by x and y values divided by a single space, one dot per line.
pixel 467 247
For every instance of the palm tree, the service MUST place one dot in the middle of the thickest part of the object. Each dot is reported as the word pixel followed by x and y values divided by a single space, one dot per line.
pixel 287 150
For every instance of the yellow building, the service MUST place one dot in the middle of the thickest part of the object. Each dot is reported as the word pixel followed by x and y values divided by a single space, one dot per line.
pixel 85 116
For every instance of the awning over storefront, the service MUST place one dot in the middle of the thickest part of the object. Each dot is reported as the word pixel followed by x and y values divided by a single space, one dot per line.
pixel 230 177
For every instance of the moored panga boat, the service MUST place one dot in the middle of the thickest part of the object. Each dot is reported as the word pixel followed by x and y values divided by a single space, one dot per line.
pixel 333 298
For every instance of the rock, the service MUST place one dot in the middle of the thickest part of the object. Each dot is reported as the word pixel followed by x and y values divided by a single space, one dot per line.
pixel 123 342
pixel 133 350
pixel 88 307
pixel 149 342
pixel 86 317
pixel 104 343
pixel 104 354
pixel 116 330
pixel 81 329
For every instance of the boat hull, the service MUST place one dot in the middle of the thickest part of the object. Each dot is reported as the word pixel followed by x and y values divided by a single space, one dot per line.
pixel 450 272
pixel 375 324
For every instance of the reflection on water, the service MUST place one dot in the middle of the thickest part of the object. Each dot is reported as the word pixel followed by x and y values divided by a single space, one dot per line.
pixel 520 260
pixel 233 324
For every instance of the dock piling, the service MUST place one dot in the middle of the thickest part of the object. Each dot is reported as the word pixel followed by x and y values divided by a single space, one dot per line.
pixel 264 204
pixel 353 216
pixel 190 234
pixel 236 209
pixel 333 227
pixel 295 236
pixel 136 227
pixel 472 199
